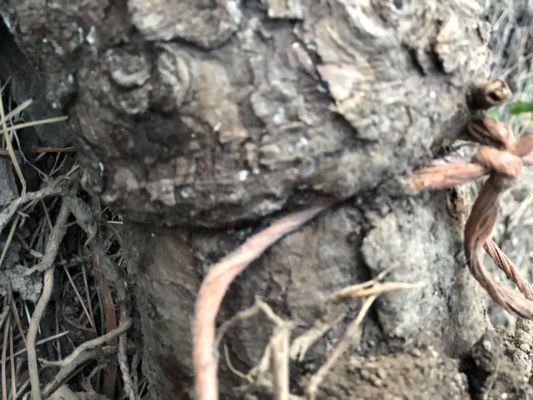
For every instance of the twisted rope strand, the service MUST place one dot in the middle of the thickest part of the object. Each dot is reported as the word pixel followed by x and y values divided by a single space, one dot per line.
pixel 506 265
pixel 503 157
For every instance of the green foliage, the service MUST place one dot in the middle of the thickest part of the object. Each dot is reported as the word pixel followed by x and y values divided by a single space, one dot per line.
pixel 521 107
pixel 517 108
pixel 494 112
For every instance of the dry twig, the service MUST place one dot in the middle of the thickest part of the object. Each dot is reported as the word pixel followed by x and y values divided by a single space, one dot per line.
pixel 54 241
pixel 46 263
pixel 351 335
pixel 123 364
pixel 103 262
pixel 90 344
pixel 272 371
pixel 356 291
pixel 65 372
pixel 370 290
pixel 4 352
pixel 82 354
pixel 302 343
pixel 51 189
pixel 279 361
pixel 38 343
pixel 12 364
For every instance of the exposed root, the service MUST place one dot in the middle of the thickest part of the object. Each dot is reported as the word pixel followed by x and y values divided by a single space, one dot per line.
pixel 65 372
pixel 302 343
pixel 90 344
pixel 271 373
pixel 351 335
pixel 47 265
pixel 31 247
pixel 7 214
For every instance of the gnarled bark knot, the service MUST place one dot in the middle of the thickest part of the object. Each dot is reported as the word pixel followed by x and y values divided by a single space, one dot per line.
pixel 502 156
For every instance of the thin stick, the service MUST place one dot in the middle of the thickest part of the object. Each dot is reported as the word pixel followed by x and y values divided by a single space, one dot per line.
pixel 21 389
pixel 17 320
pixel 4 350
pixel 8 212
pixel 47 263
pixel 80 299
pixel 40 342
pixel 243 314
pixel 3 319
pixel 9 239
pixel 302 343
pixel 90 344
pixel 5 312
pixel 123 361
pixel 46 214
pixel 259 305
pixel 212 291
pixel 33 123
pixel 232 367
pixel 129 388
pixel 17 110
pixel 352 333
pixel 68 369
pixel 280 361
pixel 54 241
pixel 10 149
pixel 33 367
pixel 68 149
pixel 12 364
pixel 356 291
pixel 102 263
pixel 86 288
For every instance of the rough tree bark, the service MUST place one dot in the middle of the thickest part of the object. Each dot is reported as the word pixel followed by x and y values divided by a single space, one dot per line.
pixel 198 120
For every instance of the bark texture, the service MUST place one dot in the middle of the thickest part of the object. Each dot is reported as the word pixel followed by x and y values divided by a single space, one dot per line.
pixel 215 112
pixel 198 119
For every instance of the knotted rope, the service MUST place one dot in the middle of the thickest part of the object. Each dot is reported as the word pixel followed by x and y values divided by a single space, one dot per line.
pixel 503 157
pixel 504 160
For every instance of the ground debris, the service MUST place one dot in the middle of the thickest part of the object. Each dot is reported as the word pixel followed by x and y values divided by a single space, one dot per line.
pixel 7 183
pixel 57 318
pixel 16 280
pixel 423 374
pixel 498 367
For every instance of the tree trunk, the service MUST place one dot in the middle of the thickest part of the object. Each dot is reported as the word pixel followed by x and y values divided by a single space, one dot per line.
pixel 199 120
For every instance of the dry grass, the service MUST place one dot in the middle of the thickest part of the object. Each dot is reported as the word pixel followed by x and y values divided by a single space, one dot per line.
pixel 49 230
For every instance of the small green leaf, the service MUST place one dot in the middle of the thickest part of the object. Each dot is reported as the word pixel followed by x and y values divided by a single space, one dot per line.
pixel 494 112
pixel 520 107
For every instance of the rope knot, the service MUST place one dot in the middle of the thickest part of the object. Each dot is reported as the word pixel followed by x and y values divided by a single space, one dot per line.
pixel 490 132
pixel 501 162
pixel 501 152
pixel 503 156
